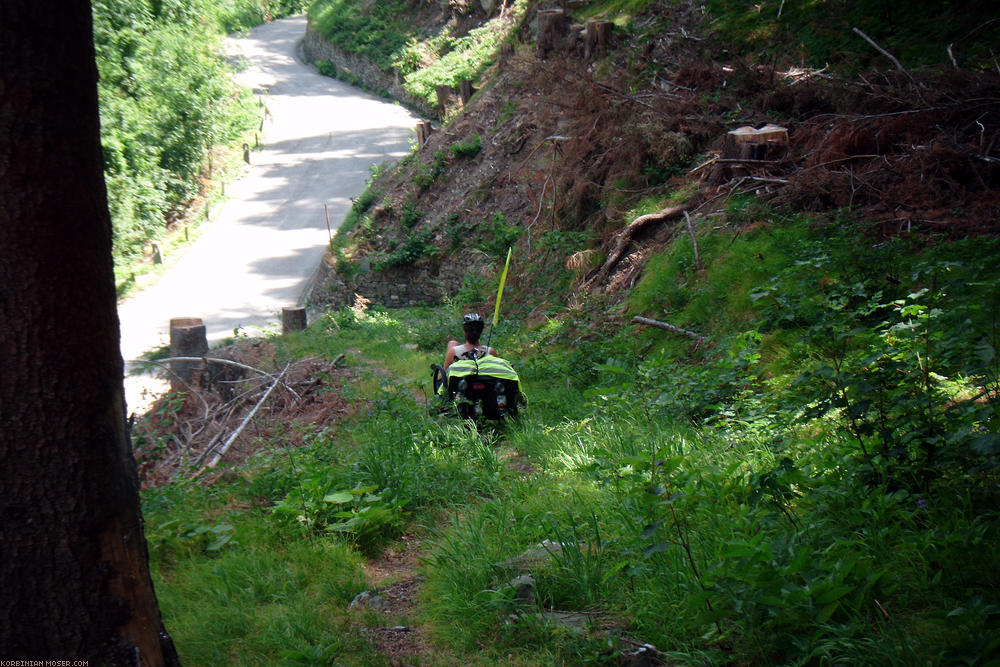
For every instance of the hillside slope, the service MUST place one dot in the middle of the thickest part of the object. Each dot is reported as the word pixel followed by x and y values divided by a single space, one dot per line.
pixel 558 154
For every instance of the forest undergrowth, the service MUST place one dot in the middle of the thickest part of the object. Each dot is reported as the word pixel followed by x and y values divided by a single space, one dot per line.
pixel 815 483
pixel 803 470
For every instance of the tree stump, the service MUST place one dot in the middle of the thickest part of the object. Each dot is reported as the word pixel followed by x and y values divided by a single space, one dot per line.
pixel 746 143
pixel 465 91
pixel 187 339
pixel 553 24
pixel 598 38
pixel 424 130
pixel 293 319
pixel 443 95
pixel 745 146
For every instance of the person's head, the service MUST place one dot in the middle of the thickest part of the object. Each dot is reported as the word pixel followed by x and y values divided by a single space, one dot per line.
pixel 472 325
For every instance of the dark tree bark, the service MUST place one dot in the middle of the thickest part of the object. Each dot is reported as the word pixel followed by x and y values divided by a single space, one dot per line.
pixel 74 575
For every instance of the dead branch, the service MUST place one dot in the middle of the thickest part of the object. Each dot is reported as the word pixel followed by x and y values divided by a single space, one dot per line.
pixel 694 240
pixel 670 327
pixel 235 364
pixel 246 420
pixel 625 237
pixel 162 364
pixel 885 53
pixel 704 164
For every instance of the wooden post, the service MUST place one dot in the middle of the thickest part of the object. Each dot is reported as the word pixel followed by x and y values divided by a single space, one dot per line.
pixel 465 91
pixel 187 339
pixel 293 319
pixel 157 253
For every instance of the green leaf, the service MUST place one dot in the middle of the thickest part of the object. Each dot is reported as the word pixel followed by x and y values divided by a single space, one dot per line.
pixel 826 612
pixel 654 549
pixel 339 498
pixel 651 529
pixel 986 445
pixel 831 594
pixel 219 542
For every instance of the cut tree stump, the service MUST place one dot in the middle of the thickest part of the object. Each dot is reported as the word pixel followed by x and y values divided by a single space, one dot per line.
pixel 598 38
pixel 187 339
pixel 293 319
pixel 745 147
pixel 553 24
pixel 443 95
pixel 424 130
pixel 465 91
pixel 746 143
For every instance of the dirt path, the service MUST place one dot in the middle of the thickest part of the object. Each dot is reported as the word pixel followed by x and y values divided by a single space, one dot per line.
pixel 265 244
pixel 394 575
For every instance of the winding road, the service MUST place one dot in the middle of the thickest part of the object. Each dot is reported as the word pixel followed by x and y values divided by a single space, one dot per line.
pixel 265 245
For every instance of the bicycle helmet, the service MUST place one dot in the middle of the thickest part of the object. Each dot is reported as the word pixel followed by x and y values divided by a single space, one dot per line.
pixel 472 317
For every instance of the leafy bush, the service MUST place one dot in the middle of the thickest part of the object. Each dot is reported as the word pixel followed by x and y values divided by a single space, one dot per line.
pixel 469 148
pixel 166 98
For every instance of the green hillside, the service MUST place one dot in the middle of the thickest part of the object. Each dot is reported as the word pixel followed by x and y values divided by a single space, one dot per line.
pixel 795 462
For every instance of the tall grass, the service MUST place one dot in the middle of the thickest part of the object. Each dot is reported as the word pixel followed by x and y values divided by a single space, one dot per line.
pixel 713 502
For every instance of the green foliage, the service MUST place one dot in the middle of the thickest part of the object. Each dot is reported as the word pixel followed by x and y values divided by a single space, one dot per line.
pixel 327 68
pixel 454 59
pixel 375 30
pixel 415 246
pixel 816 486
pixel 805 36
pixel 166 98
pixel 383 32
pixel 499 235
pixel 411 215
pixel 715 295
pixel 468 148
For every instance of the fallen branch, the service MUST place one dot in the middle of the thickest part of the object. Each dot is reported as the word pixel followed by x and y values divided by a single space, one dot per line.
pixel 670 327
pixel 246 420
pixel 694 240
pixel 625 237
pixel 885 53
pixel 227 362
pixel 191 390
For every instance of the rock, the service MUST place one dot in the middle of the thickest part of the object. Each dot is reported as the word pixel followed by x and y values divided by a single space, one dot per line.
pixel 524 589
pixel 542 553
pixel 369 600
pixel 573 622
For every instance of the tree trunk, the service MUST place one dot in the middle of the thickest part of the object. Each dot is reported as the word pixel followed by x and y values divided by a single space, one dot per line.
pixel 74 576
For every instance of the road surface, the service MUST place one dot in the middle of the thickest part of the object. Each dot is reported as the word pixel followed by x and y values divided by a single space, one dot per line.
pixel 264 246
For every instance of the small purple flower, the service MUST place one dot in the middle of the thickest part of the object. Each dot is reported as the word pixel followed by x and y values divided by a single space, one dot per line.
pixel 921 503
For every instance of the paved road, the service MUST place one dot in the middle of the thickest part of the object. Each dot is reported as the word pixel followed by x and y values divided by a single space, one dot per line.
pixel 265 244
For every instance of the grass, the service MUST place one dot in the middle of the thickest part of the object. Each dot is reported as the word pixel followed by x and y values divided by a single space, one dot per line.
pixel 701 500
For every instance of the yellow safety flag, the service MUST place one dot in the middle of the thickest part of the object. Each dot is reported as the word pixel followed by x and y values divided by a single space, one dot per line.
pixel 503 279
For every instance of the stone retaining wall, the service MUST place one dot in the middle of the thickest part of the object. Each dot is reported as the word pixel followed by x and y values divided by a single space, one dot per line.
pixel 317 49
